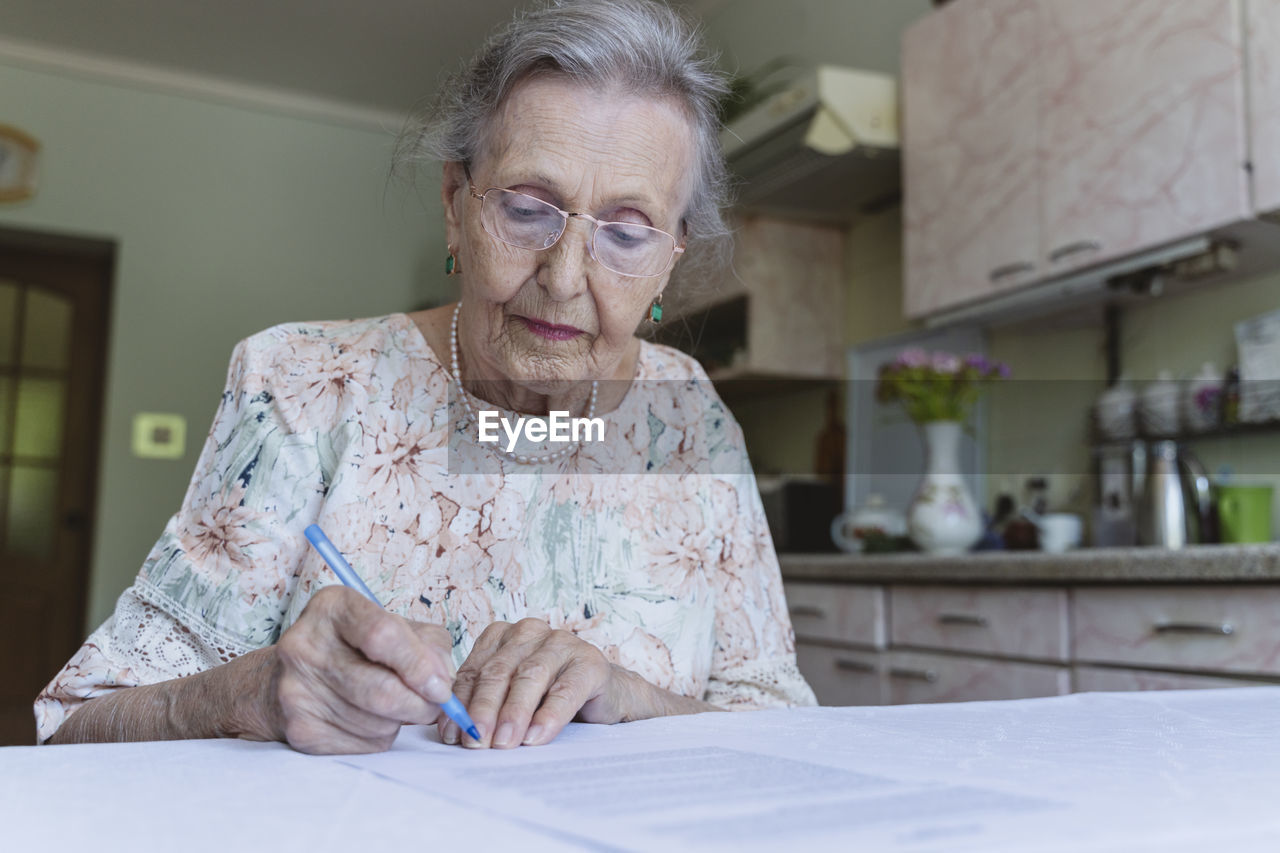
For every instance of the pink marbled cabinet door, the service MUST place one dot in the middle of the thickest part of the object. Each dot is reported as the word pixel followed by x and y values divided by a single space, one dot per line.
pixel 1124 625
pixel 970 209
pixel 841 613
pixel 1016 622
pixel 1142 125
pixel 841 676
pixel 1090 679
pixel 1263 34
pixel 914 678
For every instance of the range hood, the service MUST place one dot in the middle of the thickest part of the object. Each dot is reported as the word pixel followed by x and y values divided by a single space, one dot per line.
pixel 825 148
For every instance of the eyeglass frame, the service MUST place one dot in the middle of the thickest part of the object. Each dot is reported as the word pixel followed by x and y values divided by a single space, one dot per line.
pixel 677 248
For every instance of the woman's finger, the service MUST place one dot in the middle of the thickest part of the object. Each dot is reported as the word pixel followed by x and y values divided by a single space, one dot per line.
pixel 580 681
pixel 528 685
pixel 489 673
pixel 387 639
pixel 485 645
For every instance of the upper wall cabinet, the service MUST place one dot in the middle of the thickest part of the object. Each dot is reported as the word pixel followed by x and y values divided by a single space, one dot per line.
pixel 970 118
pixel 1263 47
pixel 1090 130
pixel 1143 137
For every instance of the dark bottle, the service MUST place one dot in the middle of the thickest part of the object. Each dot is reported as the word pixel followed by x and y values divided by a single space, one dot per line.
pixel 1231 397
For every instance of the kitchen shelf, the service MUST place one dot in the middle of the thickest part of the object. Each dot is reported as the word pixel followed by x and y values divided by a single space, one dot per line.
pixel 1224 431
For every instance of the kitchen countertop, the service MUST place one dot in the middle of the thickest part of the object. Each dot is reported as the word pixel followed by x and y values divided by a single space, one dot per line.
pixel 1196 564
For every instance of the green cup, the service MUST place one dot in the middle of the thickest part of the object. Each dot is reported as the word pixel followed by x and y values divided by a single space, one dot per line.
pixel 1244 513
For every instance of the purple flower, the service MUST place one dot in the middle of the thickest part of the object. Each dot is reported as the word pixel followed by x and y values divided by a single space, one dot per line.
pixel 1003 370
pixel 914 357
pixel 977 362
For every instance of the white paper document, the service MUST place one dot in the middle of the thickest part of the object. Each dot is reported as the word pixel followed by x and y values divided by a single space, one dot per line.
pixel 1091 771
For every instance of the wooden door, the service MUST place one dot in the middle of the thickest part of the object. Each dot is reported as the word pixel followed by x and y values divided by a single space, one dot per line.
pixel 971 205
pixel 53 298
pixel 1142 125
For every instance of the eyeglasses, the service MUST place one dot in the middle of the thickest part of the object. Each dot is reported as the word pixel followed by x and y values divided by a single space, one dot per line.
pixel 526 222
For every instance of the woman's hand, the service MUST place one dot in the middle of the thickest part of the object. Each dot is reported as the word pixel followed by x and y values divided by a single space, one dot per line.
pixel 525 682
pixel 348 674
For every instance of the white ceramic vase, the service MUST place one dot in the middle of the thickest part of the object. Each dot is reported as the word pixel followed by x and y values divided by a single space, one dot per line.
pixel 943 518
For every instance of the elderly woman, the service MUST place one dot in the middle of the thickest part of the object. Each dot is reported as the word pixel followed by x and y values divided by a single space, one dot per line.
pixel 609 579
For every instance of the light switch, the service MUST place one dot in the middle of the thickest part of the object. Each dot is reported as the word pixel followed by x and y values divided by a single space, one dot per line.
pixel 159 436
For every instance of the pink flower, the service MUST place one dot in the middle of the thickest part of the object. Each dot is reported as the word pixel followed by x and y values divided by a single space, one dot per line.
pixel 945 362
pixel 914 357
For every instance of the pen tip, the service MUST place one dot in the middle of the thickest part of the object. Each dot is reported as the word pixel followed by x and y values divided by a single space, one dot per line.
pixel 474 732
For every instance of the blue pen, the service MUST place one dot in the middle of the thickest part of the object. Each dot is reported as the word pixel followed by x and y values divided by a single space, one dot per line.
pixel 453 708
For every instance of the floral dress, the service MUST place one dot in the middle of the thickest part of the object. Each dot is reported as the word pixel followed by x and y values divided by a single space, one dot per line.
pixel 651 544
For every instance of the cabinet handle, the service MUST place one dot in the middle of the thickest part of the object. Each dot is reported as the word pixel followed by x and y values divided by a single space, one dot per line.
pixel 914 674
pixel 807 610
pixel 1224 629
pixel 846 665
pixel 971 619
pixel 1007 270
pixel 1073 248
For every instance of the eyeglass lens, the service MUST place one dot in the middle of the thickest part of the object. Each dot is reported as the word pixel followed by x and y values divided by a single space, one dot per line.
pixel 529 223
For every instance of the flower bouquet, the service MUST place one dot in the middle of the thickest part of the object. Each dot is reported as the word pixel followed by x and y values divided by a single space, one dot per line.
pixel 938 390
pixel 936 386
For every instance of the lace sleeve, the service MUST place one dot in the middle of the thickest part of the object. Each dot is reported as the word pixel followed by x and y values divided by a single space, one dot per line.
pixel 216 583
pixel 140 643
pixel 754 661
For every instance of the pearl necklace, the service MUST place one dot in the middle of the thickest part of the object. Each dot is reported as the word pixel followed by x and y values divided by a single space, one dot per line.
pixel 522 458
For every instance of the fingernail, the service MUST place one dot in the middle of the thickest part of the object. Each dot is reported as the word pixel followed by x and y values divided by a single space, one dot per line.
pixel 476 744
pixel 437 689
pixel 450 734
pixel 505 732
pixel 533 737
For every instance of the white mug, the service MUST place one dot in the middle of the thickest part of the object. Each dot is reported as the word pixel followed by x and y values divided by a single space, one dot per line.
pixel 1060 531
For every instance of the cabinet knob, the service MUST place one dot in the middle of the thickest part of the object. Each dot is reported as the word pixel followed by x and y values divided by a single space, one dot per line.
pixel 846 665
pixel 1072 249
pixel 1006 270
pixel 927 675
pixel 1224 629
pixel 971 619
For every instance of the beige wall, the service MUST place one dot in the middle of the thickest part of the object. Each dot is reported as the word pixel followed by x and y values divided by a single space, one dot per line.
pixel 227 220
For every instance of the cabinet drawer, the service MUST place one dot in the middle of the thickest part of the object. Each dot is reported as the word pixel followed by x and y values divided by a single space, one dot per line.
pixel 1093 678
pixel 1014 621
pixel 839 612
pixel 911 678
pixel 1232 628
pixel 841 676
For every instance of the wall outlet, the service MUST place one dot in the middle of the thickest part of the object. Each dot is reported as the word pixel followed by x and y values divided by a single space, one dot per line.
pixel 159 435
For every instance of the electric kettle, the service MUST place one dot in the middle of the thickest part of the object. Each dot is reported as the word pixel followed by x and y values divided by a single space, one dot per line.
pixel 1177 505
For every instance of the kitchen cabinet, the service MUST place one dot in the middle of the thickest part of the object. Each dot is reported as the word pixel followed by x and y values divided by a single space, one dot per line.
pixel 842 676
pixel 777 314
pixel 971 210
pixel 1262 28
pixel 1143 134
pixel 1121 128
pixel 1011 621
pixel 1225 629
pixel 914 677
pixel 864 643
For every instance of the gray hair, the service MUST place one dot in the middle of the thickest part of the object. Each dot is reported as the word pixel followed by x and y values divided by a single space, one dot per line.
pixel 642 46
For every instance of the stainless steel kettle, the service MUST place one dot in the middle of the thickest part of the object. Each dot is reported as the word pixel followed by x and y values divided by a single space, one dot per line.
pixel 1176 504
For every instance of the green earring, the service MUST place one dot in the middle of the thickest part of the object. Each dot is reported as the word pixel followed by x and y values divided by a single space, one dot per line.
pixel 450 265
pixel 655 311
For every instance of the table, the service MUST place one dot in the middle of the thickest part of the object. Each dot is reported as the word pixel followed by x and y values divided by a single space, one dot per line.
pixel 1168 770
